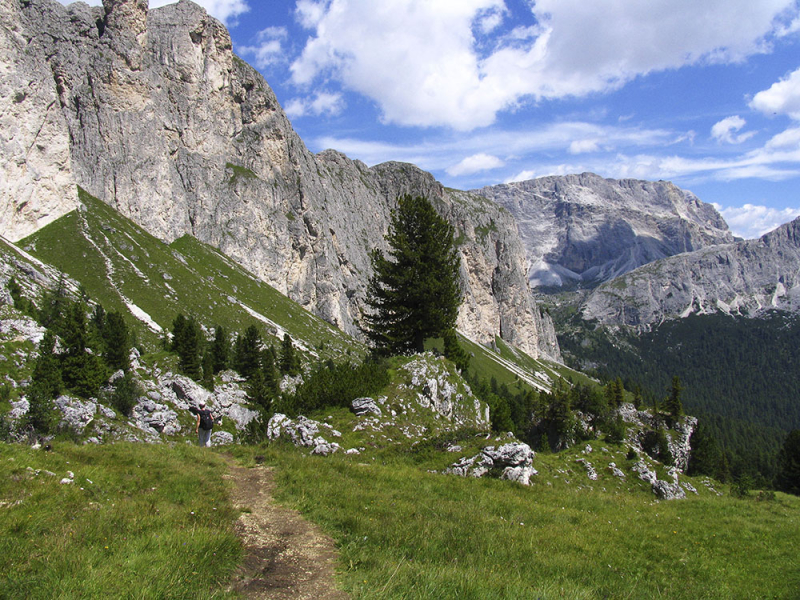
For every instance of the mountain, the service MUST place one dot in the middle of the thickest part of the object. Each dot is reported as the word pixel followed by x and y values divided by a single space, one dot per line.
pixel 742 278
pixel 584 229
pixel 152 113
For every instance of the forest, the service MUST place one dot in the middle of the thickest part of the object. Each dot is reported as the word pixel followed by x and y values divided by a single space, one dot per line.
pixel 741 376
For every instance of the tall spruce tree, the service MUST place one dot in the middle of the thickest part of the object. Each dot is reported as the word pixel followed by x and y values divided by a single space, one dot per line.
pixel 81 370
pixel 289 362
pixel 116 341
pixel 414 292
pixel 220 349
pixel 44 388
pixel 247 352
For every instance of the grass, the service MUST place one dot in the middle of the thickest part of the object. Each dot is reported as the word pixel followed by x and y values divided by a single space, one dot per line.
pixel 406 533
pixel 139 521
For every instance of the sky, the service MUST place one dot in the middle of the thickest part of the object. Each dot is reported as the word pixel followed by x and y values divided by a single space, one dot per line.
pixel 705 94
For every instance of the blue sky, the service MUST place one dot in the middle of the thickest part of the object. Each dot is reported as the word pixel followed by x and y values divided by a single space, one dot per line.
pixel 702 93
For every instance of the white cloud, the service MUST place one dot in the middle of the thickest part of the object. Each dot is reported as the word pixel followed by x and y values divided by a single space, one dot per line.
pixel 224 10
pixel 507 145
pixel 581 146
pixel 752 221
pixel 788 139
pixel 423 65
pixel 475 164
pixel 781 98
pixel 268 48
pixel 323 103
pixel 723 130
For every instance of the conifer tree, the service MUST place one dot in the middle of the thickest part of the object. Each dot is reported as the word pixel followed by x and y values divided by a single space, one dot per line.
pixel 81 370
pixel 247 352
pixel 673 404
pixel 45 386
pixel 116 342
pixel 414 293
pixel 269 371
pixel 454 352
pixel 220 349
pixel 187 341
pixel 208 370
pixel 289 361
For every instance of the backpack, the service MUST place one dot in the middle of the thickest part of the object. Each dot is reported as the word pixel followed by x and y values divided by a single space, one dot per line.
pixel 206 422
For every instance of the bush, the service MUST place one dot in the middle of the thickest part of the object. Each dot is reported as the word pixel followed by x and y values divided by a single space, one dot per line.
pixel 125 395
pixel 335 385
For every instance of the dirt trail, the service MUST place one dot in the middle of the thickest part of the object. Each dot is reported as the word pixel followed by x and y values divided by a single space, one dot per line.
pixel 285 555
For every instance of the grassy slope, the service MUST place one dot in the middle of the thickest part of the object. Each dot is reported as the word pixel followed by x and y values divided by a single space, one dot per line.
pixel 407 533
pixel 139 521
pixel 155 521
pixel 116 260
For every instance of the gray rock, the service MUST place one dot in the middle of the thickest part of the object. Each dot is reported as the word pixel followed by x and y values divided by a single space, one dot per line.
pixel 76 414
pixel 664 490
pixel 512 461
pixel 366 406
pixel 325 449
pixel 221 438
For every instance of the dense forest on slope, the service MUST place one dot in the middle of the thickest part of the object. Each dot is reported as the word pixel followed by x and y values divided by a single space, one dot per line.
pixel 741 376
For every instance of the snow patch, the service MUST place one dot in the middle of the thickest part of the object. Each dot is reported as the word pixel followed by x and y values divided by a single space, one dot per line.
pixel 143 316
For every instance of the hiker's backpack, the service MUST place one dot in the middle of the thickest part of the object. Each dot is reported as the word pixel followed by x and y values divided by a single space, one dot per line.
pixel 205 419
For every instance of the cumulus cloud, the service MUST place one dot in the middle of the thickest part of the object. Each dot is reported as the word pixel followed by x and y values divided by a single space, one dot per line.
pixel 782 97
pixel 475 164
pixel 723 131
pixel 268 47
pixel 581 146
pixel 425 63
pixel 322 103
pixel 224 10
pixel 752 221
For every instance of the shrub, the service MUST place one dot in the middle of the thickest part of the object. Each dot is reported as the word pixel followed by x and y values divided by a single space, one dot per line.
pixel 125 395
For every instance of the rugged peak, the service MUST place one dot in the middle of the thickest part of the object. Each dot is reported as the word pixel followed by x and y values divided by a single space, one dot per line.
pixel 125 29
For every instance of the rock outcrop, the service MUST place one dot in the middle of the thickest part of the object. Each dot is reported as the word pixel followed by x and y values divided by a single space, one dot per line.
pixel 742 278
pixel 585 229
pixel 513 461
pixel 151 112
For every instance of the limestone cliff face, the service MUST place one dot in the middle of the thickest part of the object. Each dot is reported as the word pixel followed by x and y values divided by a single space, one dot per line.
pixel 587 229
pixel 36 180
pixel 740 278
pixel 152 112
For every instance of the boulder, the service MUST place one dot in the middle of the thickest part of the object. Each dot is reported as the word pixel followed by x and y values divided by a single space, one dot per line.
pixel 366 406
pixel 221 438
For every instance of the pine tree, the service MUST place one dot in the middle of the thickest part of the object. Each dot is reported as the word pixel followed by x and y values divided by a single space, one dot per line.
pixel 247 352
pixel 414 293
pixel 116 342
pixel 187 341
pixel 289 361
pixel 81 370
pixel 269 371
pixel 220 349
pixel 45 386
pixel 673 404
pixel 704 454
pixel 454 352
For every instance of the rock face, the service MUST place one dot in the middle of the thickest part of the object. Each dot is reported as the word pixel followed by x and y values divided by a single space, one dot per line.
pixel 742 278
pixel 586 229
pixel 151 112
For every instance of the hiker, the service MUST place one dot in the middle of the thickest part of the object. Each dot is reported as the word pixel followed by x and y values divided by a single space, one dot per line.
pixel 205 422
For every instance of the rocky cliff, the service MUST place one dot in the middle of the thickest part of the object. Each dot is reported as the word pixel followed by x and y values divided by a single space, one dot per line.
pixel 586 229
pixel 151 112
pixel 744 278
